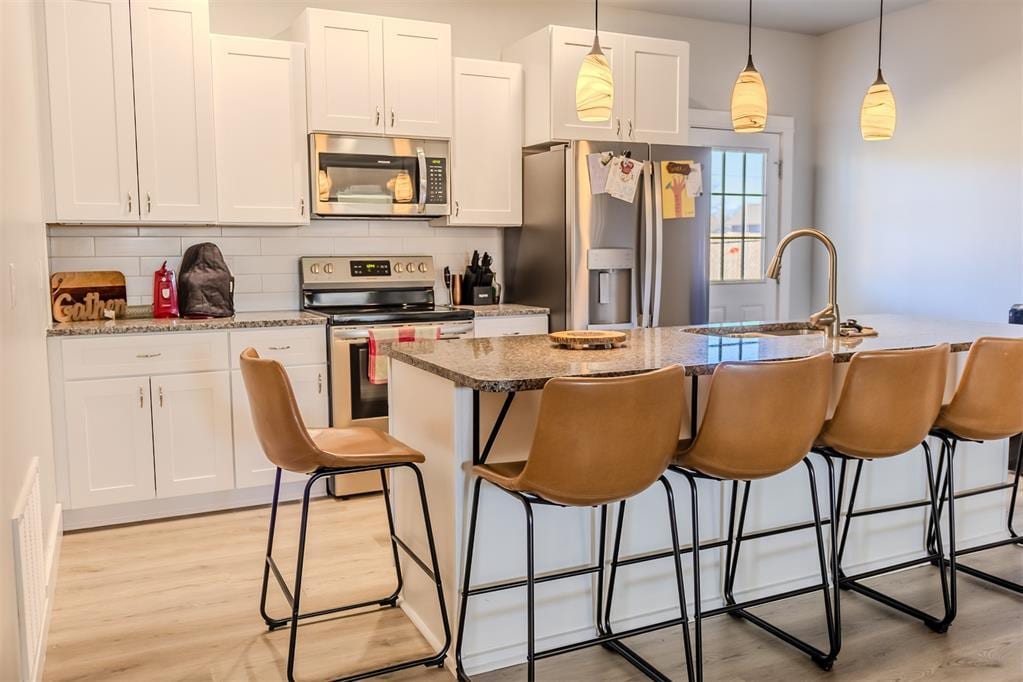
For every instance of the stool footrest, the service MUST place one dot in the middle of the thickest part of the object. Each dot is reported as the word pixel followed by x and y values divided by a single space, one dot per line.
pixel 984 490
pixel 930 558
pixel 990 545
pixel 543 578
pixel 760 601
pixel 608 637
pixel 884 509
pixel 929 620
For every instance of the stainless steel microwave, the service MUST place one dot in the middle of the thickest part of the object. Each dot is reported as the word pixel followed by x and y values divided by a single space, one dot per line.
pixel 378 176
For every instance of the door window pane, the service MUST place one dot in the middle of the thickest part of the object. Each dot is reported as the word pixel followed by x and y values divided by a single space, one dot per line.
pixel 734 172
pixel 738 204
pixel 715 214
pixel 755 172
pixel 733 216
pixel 717 170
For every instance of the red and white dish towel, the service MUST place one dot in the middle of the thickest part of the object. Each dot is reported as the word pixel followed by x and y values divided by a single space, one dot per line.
pixel 381 336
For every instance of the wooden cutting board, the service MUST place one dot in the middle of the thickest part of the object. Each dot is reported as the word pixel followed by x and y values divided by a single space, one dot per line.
pixel 77 296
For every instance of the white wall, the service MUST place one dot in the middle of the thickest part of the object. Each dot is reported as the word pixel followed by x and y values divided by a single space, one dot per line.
pixel 929 222
pixel 24 314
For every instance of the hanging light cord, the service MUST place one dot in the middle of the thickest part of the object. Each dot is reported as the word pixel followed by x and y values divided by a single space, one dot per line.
pixel 880 35
pixel 749 37
pixel 596 15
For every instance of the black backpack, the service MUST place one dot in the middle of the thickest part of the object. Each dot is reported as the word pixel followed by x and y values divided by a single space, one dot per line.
pixel 205 283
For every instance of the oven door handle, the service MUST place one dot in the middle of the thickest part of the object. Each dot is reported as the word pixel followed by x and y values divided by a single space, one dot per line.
pixel 422 179
pixel 445 332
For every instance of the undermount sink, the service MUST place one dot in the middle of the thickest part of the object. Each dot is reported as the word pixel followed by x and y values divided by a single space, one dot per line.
pixel 779 332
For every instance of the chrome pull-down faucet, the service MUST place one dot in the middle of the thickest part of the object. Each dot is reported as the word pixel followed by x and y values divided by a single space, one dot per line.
pixel 828 318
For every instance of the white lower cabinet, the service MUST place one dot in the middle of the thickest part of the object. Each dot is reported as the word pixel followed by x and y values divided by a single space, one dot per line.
pixel 192 433
pixel 110 441
pixel 512 325
pixel 251 467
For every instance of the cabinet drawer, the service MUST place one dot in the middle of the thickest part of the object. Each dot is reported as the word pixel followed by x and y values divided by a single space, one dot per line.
pixel 286 345
pixel 144 354
pixel 510 326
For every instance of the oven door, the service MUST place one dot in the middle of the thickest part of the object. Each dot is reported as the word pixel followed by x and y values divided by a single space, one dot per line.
pixel 356 176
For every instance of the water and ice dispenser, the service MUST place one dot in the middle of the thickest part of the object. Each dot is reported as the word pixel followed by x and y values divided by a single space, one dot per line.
pixel 610 281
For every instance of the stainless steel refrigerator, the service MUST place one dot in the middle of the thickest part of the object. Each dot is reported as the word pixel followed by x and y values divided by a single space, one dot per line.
pixel 602 263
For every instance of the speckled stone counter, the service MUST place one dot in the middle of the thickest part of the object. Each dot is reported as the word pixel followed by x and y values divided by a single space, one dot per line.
pixel 150 325
pixel 504 310
pixel 527 362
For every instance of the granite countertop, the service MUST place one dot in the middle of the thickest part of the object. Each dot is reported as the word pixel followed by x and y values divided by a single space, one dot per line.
pixel 504 310
pixel 521 363
pixel 150 325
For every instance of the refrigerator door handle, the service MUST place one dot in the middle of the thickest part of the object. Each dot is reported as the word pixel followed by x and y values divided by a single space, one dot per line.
pixel 645 319
pixel 658 244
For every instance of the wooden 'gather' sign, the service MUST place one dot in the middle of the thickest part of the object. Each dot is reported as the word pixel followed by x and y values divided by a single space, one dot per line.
pixel 77 296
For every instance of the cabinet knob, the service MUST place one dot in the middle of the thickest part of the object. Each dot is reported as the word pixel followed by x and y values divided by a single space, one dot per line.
pixel 161 396
pixel 319 383
pixel 457 209
pixel 630 127
pixel 129 202
pixel 142 398
pixel 392 118
pixel 280 347
pixel 301 206
pixel 149 203
pixel 618 127
pixel 377 121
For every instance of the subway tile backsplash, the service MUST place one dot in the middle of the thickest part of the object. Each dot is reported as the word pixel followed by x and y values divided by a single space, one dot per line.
pixel 264 260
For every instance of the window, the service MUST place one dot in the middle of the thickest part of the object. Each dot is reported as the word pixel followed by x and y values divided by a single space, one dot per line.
pixel 737 188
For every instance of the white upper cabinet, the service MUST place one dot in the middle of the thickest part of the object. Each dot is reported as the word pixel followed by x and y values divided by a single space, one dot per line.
pixel 259 113
pixel 92 115
pixel 131 111
pixel 346 70
pixel 376 75
pixel 417 78
pixel 486 148
pixel 173 110
pixel 651 87
pixel 654 94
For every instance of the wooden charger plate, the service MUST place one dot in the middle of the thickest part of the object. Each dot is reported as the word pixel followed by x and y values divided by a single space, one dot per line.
pixel 589 340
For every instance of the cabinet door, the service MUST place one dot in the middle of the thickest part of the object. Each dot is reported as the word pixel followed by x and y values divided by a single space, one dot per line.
pixel 417 78
pixel 569 46
pixel 252 468
pixel 262 171
pixel 110 441
pixel 517 325
pixel 174 110
pixel 192 433
pixel 92 114
pixel 346 72
pixel 486 149
pixel 655 91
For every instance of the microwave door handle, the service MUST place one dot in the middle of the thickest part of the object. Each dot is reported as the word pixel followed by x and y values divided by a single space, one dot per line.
pixel 422 179
pixel 658 245
pixel 648 245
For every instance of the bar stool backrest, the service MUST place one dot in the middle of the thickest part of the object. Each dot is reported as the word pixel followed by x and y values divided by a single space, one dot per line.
pixel 988 404
pixel 599 440
pixel 761 418
pixel 275 414
pixel 888 403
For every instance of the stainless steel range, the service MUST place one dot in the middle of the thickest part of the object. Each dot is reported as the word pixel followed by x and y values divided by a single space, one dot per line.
pixel 357 293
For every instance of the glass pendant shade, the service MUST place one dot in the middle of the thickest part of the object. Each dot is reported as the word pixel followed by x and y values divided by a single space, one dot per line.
pixel 749 101
pixel 877 117
pixel 594 87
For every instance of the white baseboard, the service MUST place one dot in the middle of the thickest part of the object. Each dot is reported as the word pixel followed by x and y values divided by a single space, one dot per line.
pixel 148 510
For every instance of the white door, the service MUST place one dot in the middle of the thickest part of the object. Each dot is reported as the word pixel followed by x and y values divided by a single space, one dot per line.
pixel 745 199
pixel 346 72
pixel 417 78
pixel 192 433
pixel 569 47
pixel 92 114
pixel 110 441
pixel 252 468
pixel 259 112
pixel 486 149
pixel 655 91
pixel 174 110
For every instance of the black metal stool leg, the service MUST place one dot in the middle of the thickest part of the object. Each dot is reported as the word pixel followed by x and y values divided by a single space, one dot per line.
pixel 393 599
pixel 530 594
pixel 464 600
pixel 732 555
pixel 687 647
pixel 271 622
pixel 300 563
pixel 697 606
pixel 438 659
pixel 831 617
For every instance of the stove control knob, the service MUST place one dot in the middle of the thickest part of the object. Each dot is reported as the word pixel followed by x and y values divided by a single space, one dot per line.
pixel 314 268
pixel 328 268
pixel 410 267
pixel 422 267
pixel 398 267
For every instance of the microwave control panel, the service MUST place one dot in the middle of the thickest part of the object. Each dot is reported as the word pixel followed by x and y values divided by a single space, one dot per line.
pixel 436 180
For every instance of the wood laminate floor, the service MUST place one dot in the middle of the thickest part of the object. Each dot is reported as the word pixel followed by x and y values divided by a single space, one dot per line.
pixel 177 600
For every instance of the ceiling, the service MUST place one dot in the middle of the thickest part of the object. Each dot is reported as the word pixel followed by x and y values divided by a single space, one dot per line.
pixel 812 17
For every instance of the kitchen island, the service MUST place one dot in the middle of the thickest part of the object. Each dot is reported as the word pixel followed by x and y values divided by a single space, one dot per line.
pixel 446 399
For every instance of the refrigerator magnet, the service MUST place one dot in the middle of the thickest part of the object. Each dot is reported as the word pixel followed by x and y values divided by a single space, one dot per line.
pixel 623 178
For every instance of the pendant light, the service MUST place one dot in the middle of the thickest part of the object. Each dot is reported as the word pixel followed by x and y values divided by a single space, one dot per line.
pixel 594 87
pixel 749 96
pixel 877 117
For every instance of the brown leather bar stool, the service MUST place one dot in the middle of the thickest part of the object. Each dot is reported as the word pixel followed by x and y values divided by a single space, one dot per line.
pixel 321 453
pixel 597 441
pixel 988 405
pixel 783 405
pixel 887 406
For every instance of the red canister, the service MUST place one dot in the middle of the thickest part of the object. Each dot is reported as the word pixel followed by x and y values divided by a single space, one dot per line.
pixel 165 293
